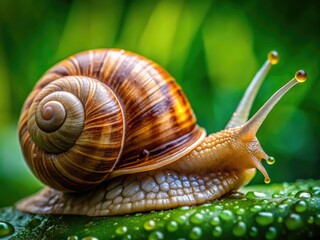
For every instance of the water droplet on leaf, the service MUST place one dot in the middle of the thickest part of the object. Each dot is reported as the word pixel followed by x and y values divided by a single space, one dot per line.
pixel 149 225
pixel 303 194
pixel 6 229
pixel 172 226
pixel 197 218
pixel 293 221
pixel 301 206
pixel 226 215
pixel 157 235
pixel 195 233
pixel 217 231
pixel 239 229
pixel 264 218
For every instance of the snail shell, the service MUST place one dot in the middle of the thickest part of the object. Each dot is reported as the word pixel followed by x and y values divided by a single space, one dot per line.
pixel 104 113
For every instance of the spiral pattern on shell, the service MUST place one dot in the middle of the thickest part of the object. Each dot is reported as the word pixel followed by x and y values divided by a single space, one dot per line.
pixel 72 121
pixel 48 124
pixel 104 113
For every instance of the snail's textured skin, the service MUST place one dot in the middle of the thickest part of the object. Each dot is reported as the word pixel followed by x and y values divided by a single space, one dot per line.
pixel 154 190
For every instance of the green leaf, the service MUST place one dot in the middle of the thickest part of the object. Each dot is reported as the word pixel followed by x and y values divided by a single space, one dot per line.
pixel 277 211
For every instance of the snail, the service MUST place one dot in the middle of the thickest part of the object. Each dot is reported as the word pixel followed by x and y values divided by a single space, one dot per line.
pixel 111 132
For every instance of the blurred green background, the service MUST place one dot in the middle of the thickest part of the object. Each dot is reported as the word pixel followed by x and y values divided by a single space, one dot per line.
pixel 212 48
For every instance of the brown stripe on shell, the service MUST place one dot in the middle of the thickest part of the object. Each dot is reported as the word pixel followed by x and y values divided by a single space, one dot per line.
pixel 150 125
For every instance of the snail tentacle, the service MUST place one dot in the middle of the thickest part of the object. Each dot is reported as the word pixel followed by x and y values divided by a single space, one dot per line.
pixel 240 116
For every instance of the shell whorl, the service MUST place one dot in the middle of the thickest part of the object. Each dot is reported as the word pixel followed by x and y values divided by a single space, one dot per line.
pixel 71 122
pixel 49 126
pixel 159 125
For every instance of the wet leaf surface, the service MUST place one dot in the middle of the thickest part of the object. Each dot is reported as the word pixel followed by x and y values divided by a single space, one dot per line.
pixel 275 211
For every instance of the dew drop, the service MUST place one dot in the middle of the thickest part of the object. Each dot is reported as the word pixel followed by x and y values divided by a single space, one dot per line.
pixel 293 221
pixel 166 217
pixel 271 160
pixel 240 211
pixel 215 221
pixel 255 208
pixel 239 229
pixel 236 195
pixel 252 194
pixel 217 231
pixel 276 195
pixel 127 237
pixel 73 237
pixel 315 188
pixel 273 57
pixel 207 204
pixel 90 238
pixel 149 225
pixel 195 233
pixel 301 206
pixel 271 233
pixel 197 218
pixel 253 232
pixel 264 218
pixel 6 229
pixel 292 194
pixel 316 193
pixel 121 230
pixel 172 226
pixel 182 219
pixel 156 235
pixel 310 220
pixel 226 215
pixel 217 208
pixel 303 194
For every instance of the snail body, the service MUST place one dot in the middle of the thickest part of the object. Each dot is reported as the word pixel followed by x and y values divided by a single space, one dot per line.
pixel 111 132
